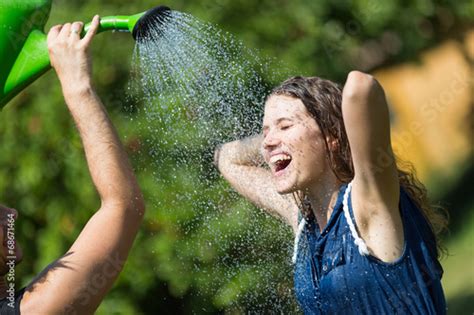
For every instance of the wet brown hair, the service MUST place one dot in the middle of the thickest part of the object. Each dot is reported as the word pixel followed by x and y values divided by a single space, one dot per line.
pixel 323 100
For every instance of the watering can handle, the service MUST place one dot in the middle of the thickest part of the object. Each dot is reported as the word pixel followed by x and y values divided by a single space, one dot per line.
pixel 118 22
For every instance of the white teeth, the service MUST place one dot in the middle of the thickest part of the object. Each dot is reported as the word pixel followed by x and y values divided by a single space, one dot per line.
pixel 279 157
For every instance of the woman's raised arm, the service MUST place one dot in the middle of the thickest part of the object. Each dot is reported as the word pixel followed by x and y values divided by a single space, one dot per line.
pixel 242 165
pixel 376 188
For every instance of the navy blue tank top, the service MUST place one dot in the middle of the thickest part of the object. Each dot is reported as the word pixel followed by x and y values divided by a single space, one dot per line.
pixel 335 274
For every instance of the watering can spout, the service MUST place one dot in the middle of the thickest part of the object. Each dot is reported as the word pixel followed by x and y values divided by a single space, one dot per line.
pixel 27 57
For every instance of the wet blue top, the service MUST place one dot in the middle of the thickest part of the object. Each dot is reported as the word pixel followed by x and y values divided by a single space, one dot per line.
pixel 332 277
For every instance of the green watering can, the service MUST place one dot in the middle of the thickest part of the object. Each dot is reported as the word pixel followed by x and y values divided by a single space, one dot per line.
pixel 23 50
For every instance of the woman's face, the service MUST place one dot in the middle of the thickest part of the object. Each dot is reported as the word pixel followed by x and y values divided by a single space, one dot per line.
pixel 293 145
pixel 9 249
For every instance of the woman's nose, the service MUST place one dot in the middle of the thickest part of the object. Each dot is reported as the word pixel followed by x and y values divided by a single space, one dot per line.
pixel 270 140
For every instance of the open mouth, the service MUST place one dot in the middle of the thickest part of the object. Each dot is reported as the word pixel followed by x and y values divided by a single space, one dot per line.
pixel 280 162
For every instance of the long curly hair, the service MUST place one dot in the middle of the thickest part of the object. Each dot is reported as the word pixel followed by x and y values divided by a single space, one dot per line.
pixel 323 100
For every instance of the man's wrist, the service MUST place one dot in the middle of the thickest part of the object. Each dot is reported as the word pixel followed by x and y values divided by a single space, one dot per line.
pixel 80 90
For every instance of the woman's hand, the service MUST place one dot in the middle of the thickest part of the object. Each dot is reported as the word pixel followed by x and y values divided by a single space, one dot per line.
pixel 69 54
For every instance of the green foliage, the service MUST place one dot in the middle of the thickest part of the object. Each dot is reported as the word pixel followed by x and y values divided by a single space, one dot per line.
pixel 459 285
pixel 201 249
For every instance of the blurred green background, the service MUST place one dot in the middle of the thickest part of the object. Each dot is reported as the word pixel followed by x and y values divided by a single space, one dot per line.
pixel 183 263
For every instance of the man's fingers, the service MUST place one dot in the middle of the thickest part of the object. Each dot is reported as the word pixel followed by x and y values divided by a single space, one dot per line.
pixel 65 31
pixel 76 29
pixel 92 30
pixel 54 32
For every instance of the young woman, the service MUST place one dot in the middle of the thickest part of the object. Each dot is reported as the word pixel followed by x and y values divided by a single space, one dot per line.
pixel 365 233
pixel 77 282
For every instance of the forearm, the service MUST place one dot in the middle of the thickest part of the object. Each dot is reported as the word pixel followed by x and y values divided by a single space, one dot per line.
pixel 109 167
pixel 363 104
pixel 245 152
pixel 241 163
pixel 366 119
pixel 100 251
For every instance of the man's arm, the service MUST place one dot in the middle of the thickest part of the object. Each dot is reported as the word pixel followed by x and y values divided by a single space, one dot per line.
pixel 79 280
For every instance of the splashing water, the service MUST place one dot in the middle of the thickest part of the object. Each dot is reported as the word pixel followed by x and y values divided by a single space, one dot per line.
pixel 193 67
pixel 198 87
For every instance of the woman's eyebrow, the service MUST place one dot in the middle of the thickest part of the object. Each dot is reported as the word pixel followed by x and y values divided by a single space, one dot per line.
pixel 279 120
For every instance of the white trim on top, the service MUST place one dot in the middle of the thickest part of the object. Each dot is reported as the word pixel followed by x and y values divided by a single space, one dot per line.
pixel 363 250
pixel 361 246
pixel 299 231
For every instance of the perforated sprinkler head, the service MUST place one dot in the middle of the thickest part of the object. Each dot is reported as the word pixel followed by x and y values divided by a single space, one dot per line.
pixel 148 23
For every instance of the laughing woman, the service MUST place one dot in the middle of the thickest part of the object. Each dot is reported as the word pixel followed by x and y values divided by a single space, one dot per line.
pixel 366 236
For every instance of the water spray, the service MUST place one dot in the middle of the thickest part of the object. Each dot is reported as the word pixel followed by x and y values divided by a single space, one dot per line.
pixel 23 47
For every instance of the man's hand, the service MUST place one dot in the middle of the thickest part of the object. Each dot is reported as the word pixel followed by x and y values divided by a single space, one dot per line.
pixel 69 53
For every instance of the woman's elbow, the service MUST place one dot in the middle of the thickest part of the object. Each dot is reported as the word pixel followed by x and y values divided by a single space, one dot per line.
pixel 361 85
pixel 223 155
